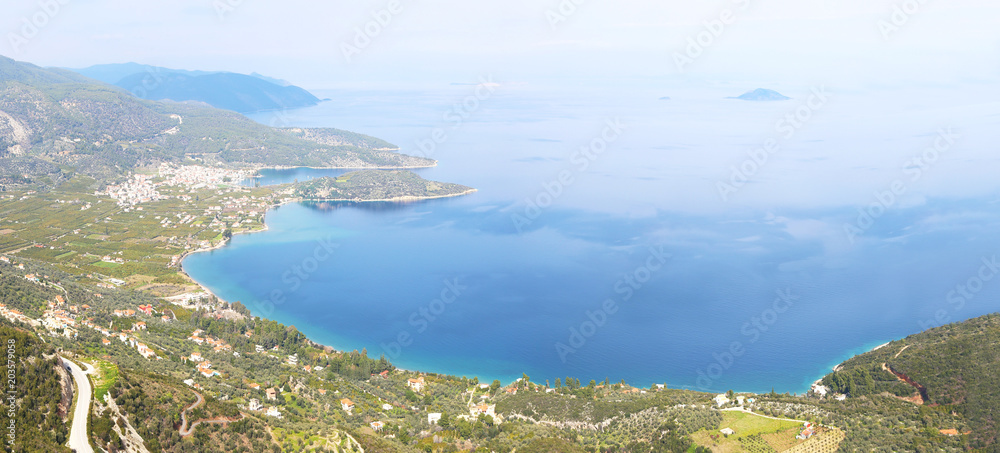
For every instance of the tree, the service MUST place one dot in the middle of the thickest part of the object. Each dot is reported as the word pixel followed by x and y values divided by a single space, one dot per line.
pixel 558 383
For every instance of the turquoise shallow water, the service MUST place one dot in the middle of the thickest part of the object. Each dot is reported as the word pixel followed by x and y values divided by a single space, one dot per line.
pixel 615 276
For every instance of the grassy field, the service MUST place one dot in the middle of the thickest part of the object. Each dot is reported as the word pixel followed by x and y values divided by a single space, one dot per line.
pixel 106 373
pixel 753 434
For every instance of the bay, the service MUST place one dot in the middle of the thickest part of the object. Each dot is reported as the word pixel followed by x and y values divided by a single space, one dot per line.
pixel 634 266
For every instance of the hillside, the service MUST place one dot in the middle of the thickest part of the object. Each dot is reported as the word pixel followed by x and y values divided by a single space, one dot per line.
pixel 237 92
pixel 377 185
pixel 81 310
pixel 952 368
pixel 224 90
pixel 54 123
pixel 113 72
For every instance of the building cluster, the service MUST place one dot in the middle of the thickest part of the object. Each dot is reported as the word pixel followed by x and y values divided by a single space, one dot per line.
pixel 482 409
pixel 808 430
pixel 722 400
pixel 127 336
pixel 255 406
pixel 233 208
pixel 15 315
pixel 196 176
pixel 217 344
pixel 57 316
pixel 203 366
pixel 135 190
pixel 141 188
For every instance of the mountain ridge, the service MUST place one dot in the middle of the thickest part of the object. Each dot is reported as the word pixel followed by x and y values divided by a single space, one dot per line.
pixel 221 89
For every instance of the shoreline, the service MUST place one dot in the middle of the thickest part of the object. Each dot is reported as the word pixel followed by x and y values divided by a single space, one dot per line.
pixel 266 227
pixel 392 167
pixel 850 354
pixel 403 199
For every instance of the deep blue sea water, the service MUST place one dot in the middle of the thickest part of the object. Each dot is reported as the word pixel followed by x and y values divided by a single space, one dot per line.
pixel 634 267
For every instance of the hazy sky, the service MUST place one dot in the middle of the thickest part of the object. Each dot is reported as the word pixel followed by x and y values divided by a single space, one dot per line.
pixel 853 41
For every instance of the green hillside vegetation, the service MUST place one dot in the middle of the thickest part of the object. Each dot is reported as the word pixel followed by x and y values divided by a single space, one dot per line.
pixel 337 137
pixel 957 364
pixel 572 417
pixel 40 414
pixel 63 137
pixel 58 123
pixel 377 185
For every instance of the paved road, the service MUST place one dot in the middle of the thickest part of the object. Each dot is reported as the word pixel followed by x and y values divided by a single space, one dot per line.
pixel 78 438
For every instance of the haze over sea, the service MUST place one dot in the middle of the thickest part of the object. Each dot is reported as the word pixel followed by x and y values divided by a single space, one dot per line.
pixel 526 277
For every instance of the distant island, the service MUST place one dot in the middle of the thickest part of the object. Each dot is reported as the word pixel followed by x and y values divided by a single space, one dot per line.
pixel 225 90
pixel 761 94
pixel 665 98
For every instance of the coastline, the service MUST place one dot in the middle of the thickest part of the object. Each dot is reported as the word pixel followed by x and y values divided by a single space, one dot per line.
pixel 392 167
pixel 404 199
pixel 266 227
pixel 808 384
pixel 847 356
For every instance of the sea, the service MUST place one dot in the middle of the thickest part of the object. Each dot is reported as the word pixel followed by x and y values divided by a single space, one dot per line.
pixel 656 232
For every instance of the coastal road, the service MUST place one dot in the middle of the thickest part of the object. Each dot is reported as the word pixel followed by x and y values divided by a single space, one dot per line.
pixel 78 438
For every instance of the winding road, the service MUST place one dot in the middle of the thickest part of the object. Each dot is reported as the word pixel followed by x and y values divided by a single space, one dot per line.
pixel 79 441
pixel 187 430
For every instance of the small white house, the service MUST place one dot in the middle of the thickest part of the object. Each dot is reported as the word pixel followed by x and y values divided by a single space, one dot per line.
pixel 727 431
pixel 433 418
pixel 721 400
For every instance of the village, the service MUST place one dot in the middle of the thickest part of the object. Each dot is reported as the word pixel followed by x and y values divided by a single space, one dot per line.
pixel 142 188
